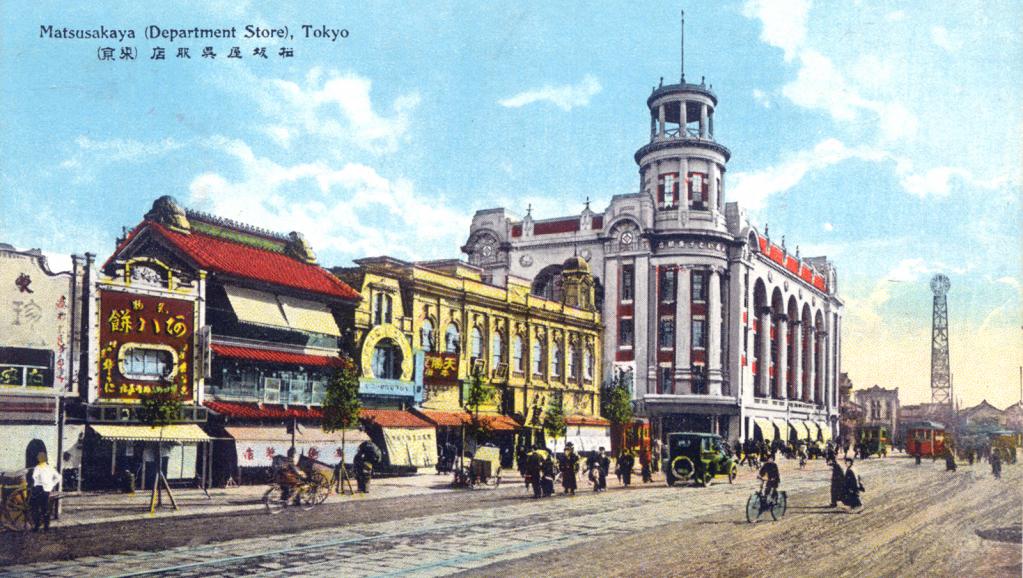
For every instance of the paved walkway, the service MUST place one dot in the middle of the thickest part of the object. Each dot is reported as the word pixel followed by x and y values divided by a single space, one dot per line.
pixel 96 507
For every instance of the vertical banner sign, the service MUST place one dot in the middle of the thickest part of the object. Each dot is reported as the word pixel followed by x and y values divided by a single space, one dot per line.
pixel 145 346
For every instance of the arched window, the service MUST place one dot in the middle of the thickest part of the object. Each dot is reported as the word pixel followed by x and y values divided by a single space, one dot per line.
pixel 426 335
pixel 538 360
pixel 573 362
pixel 382 312
pixel 451 339
pixel 517 354
pixel 496 350
pixel 556 366
pixel 476 348
pixel 387 360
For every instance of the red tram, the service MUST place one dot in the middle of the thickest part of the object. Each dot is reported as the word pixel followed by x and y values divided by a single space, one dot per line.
pixel 926 437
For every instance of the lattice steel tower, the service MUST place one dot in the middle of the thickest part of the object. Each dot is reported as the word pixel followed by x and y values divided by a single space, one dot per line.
pixel 941 383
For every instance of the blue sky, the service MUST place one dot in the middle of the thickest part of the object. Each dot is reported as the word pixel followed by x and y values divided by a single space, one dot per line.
pixel 884 135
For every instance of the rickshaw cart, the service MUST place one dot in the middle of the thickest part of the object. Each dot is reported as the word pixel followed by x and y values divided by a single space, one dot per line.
pixel 321 476
pixel 15 514
pixel 484 469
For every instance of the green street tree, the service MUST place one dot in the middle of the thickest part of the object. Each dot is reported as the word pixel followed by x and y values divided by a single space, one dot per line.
pixel 616 405
pixel 341 409
pixel 159 411
pixel 554 420
pixel 479 393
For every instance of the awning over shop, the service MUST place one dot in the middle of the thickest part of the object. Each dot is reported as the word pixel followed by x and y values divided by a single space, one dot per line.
pixel 273 356
pixel 188 433
pixel 590 420
pixel 309 316
pixel 802 432
pixel 393 418
pixel 766 428
pixel 815 430
pixel 825 431
pixel 416 447
pixel 263 410
pixel 256 307
pixel 495 422
pixel 257 446
pixel 585 438
pixel 783 428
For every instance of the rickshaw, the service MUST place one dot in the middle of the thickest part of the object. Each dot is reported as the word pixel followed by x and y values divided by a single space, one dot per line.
pixel 483 469
pixel 875 440
pixel 308 493
pixel 15 512
pixel 698 457
pixel 927 438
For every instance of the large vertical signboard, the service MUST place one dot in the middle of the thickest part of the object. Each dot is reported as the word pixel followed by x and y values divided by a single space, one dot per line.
pixel 145 346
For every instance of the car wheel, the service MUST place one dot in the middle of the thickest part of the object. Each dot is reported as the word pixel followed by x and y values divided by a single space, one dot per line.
pixel 682 467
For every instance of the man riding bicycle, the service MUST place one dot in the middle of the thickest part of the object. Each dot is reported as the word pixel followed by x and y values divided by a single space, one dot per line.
pixel 769 473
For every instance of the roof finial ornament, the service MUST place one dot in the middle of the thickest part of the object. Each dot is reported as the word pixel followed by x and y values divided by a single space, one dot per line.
pixel 783 242
pixel 529 210
pixel 682 49
pixel 587 203
pixel 767 230
pixel 660 84
pixel 797 251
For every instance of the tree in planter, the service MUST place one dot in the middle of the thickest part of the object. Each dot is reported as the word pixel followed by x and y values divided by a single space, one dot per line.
pixel 159 410
pixel 479 392
pixel 341 409
pixel 616 405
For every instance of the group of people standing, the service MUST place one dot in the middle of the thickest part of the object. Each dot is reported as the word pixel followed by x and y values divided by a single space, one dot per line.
pixel 540 467
pixel 846 486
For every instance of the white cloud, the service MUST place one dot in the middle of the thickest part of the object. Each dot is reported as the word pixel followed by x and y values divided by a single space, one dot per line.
pixel 92 155
pixel 1010 281
pixel 784 22
pixel 349 211
pixel 828 227
pixel 336 107
pixel 942 38
pixel 751 189
pixel 565 97
pixel 761 98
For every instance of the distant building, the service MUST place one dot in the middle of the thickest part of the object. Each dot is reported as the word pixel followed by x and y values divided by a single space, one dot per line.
pixel 880 408
pixel 850 413
pixel 1014 417
pixel 982 413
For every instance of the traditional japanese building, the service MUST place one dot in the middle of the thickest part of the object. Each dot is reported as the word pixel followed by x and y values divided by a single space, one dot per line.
pixel 724 328
pixel 425 328
pixel 40 351
pixel 237 322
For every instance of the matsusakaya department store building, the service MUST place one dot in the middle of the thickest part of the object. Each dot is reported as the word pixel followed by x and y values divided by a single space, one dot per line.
pixel 722 328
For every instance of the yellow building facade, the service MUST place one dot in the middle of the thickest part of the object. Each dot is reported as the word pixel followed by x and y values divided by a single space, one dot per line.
pixel 435 323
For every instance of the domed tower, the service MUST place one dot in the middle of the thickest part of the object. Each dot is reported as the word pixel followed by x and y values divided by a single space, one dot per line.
pixel 683 167
pixel 577 284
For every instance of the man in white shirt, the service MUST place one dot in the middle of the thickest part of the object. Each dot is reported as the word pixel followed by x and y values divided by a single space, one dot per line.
pixel 44 479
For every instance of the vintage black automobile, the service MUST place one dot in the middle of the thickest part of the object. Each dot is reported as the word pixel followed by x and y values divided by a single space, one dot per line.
pixel 697 457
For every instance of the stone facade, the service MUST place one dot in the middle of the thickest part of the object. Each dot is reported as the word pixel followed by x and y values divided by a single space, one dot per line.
pixel 881 408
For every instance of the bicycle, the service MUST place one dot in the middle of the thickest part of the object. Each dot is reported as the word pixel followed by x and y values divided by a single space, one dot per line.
pixel 759 503
pixel 307 494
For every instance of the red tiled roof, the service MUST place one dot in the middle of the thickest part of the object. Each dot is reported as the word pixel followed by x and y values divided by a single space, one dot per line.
pixel 393 418
pixel 262 411
pixel 236 259
pixel 586 420
pixel 270 356
pixel 458 418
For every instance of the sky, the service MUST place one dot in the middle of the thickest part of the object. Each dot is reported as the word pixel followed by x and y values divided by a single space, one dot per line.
pixel 885 135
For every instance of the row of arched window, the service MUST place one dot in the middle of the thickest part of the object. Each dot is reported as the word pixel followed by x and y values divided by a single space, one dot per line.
pixel 578 358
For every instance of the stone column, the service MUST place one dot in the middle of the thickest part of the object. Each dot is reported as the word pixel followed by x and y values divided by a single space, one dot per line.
pixel 683 334
pixel 703 121
pixel 660 119
pixel 710 126
pixel 712 200
pixel 639 323
pixel 811 355
pixel 797 363
pixel 653 125
pixel 683 188
pixel 781 367
pixel 764 363
pixel 682 120
pixel 714 332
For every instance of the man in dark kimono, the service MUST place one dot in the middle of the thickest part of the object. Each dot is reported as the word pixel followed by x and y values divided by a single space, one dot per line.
pixel 853 487
pixel 996 464
pixel 534 470
pixel 837 483
pixel 950 461
pixel 569 467
pixel 598 466
pixel 625 463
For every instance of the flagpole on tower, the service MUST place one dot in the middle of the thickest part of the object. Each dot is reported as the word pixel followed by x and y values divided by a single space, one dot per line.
pixel 682 48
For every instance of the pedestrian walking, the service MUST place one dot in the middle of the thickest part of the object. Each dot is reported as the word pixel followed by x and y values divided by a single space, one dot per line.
pixel 950 461
pixel 624 463
pixel 969 457
pixel 534 471
pixel 837 483
pixel 44 479
pixel 547 470
pixel 597 467
pixel 644 466
pixel 569 467
pixel 655 457
pixel 853 486
pixel 996 465
pixel 918 454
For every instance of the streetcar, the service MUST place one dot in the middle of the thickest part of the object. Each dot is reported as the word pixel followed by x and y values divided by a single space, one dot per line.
pixel 875 440
pixel 927 438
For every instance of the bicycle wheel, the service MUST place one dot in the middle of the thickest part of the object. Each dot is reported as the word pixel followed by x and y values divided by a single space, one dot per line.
pixel 780 506
pixel 273 499
pixel 753 510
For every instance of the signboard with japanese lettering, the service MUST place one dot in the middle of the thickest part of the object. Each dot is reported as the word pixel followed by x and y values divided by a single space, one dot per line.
pixel 441 369
pixel 145 346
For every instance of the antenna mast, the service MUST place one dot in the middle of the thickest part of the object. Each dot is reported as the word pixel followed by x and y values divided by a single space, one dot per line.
pixel 682 48
pixel 941 379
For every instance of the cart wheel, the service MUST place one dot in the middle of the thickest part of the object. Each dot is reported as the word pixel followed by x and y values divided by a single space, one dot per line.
pixel 320 488
pixel 273 499
pixel 753 510
pixel 16 511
